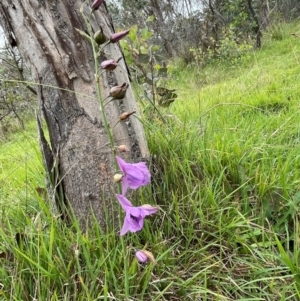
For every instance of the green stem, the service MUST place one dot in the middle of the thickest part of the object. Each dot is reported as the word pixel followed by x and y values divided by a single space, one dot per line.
pixel 156 109
pixel 98 87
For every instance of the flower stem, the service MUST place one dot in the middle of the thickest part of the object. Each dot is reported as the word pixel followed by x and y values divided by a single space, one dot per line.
pixel 98 86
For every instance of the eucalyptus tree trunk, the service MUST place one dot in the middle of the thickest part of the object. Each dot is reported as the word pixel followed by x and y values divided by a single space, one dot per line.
pixel 78 157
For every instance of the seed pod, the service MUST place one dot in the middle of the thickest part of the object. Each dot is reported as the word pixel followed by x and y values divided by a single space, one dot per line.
pixel 118 92
pixel 118 177
pixel 125 115
pixel 150 256
pixel 123 148
pixel 100 37
pixel 109 65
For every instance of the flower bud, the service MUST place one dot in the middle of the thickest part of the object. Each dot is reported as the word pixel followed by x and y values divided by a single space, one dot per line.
pixel 141 256
pixel 109 65
pixel 118 92
pixel 123 148
pixel 96 4
pixel 116 37
pixel 117 178
pixel 100 37
pixel 125 115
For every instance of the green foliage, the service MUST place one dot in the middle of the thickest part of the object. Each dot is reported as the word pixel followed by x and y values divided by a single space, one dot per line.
pixel 239 14
pixel 280 31
pixel 229 50
pixel 21 171
pixel 226 177
pixel 148 65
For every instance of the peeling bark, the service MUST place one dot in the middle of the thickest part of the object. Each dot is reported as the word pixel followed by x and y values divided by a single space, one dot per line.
pixel 62 67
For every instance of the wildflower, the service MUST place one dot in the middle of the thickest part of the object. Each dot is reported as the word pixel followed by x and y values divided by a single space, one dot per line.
pixel 109 65
pixel 96 4
pixel 118 92
pixel 135 174
pixel 116 37
pixel 134 218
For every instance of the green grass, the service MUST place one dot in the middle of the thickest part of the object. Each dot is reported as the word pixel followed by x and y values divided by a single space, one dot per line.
pixel 21 168
pixel 227 181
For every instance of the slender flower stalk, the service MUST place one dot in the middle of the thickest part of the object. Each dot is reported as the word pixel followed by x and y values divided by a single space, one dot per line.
pixel 98 87
pixel 96 5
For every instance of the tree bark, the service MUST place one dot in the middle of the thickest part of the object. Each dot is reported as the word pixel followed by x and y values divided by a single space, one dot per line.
pixel 265 14
pixel 160 26
pixel 78 157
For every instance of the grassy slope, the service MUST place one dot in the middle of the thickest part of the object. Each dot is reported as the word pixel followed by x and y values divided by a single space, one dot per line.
pixel 228 190
pixel 21 171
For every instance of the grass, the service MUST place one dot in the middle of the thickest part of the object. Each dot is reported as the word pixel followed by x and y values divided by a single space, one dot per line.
pixel 21 168
pixel 227 180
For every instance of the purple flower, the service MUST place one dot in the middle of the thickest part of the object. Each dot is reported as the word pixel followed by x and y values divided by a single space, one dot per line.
pixel 134 218
pixel 109 65
pixel 96 4
pixel 135 175
pixel 116 37
pixel 141 256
